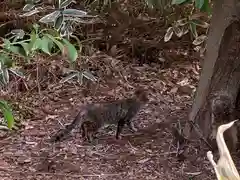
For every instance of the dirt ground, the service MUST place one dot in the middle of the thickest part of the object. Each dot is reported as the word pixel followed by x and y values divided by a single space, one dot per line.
pixel 150 153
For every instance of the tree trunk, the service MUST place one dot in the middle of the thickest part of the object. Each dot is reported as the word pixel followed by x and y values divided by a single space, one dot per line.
pixel 217 92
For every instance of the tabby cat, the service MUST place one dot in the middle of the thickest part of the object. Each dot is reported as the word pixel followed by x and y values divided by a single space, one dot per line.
pixel 95 116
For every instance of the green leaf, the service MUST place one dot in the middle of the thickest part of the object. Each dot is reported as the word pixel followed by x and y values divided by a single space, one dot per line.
pixel 58 22
pixel 18 50
pixel 206 7
pixel 71 50
pixel 193 29
pixel 49 18
pixel 199 3
pixel 66 3
pixel 75 13
pixel 18 34
pixel 46 45
pixel 37 45
pixel 6 44
pixel 32 43
pixel 58 43
pixel 78 42
pixel 8 116
pixel 26 48
pixel 7 113
pixel 36 27
pixel 6 60
pixel 178 1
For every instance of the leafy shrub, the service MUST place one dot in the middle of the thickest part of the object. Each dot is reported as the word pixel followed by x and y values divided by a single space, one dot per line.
pixel 7 113
pixel 49 41
pixel 189 21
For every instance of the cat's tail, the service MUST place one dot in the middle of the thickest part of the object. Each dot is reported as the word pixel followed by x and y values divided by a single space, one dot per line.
pixel 62 133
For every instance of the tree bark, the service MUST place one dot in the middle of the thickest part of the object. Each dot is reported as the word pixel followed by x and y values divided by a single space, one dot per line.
pixel 220 78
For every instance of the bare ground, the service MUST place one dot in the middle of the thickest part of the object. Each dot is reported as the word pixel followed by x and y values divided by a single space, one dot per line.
pixel 151 153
